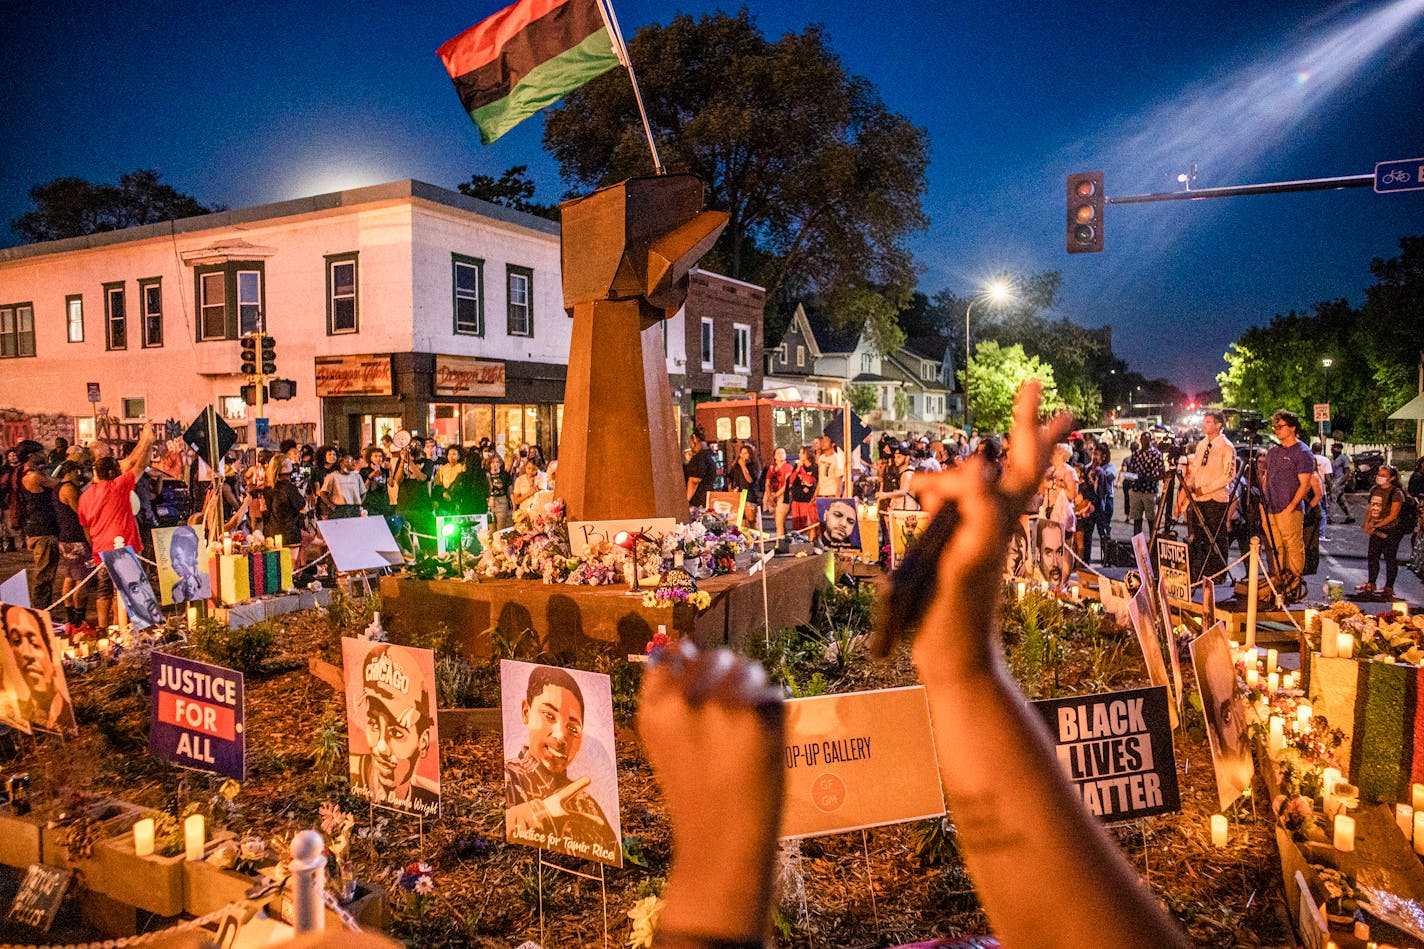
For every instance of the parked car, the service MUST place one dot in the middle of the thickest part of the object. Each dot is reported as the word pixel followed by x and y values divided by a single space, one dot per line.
pixel 1367 463
pixel 172 504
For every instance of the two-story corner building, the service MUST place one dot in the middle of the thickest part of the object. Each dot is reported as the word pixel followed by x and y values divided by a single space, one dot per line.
pixel 715 340
pixel 400 305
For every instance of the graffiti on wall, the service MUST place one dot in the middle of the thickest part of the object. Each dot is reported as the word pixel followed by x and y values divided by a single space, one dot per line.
pixel 16 425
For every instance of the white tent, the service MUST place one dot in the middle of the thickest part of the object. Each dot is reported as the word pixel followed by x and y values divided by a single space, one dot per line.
pixel 1412 411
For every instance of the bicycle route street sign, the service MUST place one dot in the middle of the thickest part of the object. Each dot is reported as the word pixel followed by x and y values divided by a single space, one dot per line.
pixel 1405 175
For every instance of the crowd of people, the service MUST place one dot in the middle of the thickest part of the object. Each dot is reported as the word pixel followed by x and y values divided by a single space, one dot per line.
pixel 68 505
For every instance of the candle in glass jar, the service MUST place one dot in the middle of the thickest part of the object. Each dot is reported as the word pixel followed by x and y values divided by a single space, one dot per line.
pixel 1329 778
pixel 1400 607
pixel 1309 617
pixel 1329 639
pixel 1346 645
pixel 1344 833
pixel 1273 682
pixel 143 837
pixel 1218 830
pixel 227 545
pixel 277 540
pixel 194 836
pixel 1288 681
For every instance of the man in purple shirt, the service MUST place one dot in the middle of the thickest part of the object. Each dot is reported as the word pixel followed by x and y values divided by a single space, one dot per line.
pixel 1289 469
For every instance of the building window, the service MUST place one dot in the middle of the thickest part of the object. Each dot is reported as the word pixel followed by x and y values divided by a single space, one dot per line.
pixel 520 281
pixel 781 352
pixel 469 282
pixel 926 371
pixel 741 347
pixel 706 343
pixel 341 294
pixel 134 409
pixel 912 406
pixel 865 362
pixel 116 316
pixel 230 299
pixel 800 357
pixel 74 318
pixel 232 406
pixel 150 298
pixel 17 330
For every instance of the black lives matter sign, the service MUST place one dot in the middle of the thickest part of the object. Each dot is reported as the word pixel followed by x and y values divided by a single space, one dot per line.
pixel 1116 748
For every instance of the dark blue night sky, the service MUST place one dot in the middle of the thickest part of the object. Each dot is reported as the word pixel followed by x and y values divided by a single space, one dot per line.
pixel 244 104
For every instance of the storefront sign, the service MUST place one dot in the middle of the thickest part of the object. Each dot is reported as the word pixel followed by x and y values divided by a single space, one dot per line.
pixel 857 760
pixel 197 716
pixel 353 375
pixel 465 375
pixel 1116 748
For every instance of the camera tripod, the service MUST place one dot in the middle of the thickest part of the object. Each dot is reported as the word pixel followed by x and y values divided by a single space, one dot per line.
pixel 1177 482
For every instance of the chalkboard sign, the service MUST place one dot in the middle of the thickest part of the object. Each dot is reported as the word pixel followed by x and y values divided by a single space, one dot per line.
pixel 39 898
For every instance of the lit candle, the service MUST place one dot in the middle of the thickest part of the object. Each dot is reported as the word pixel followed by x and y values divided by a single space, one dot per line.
pixel 1347 645
pixel 1362 930
pixel 1418 831
pixel 1218 830
pixel 1400 607
pixel 192 616
pixel 1252 677
pixel 227 545
pixel 1404 819
pixel 1344 833
pixel 276 540
pixel 1271 657
pixel 1302 716
pixel 1288 681
pixel 1022 588
pixel 1309 618
pixel 143 837
pixel 103 644
pixel 1417 796
pixel 1329 778
pixel 194 836
pixel 1273 682
pixel 1277 742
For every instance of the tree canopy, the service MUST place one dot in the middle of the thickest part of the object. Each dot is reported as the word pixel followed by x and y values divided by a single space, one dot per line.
pixel 995 374
pixel 73 207
pixel 820 180
pixel 512 189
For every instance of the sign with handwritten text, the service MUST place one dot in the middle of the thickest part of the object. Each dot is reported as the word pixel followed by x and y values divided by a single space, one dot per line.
pixel 586 534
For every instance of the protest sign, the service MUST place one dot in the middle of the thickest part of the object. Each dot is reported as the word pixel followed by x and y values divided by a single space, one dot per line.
pixel 840 523
pixel 1141 553
pixel 1149 638
pixel 1174 649
pixel 1116 748
pixel 40 895
pixel 586 534
pixel 131 583
pixel 360 543
pixel 1051 552
pixel 196 716
pixel 1115 599
pixel 560 771
pixel 34 692
pixel 16 590
pixel 180 552
pixel 1019 565
pixel 727 504
pixel 1225 712
pixel 1174 563
pixel 391 728
pixel 906 528
pixel 198 434
pixel 859 759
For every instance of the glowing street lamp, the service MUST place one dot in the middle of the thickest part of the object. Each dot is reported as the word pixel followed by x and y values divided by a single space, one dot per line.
pixel 996 292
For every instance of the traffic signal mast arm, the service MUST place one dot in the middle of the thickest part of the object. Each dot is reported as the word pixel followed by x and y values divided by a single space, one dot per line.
pixel 1270 187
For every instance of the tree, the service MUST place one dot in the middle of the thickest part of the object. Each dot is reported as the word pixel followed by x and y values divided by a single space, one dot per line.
pixel 73 207
pixel 861 398
pixel 995 374
pixel 512 189
pixel 820 181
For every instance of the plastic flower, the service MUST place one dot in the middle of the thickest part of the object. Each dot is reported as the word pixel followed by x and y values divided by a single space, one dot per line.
pixel 425 885
pixel 253 848
pixel 644 916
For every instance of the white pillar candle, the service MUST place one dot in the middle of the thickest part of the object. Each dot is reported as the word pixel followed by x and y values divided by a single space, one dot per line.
pixel 1400 607
pixel 1252 677
pixel 277 540
pixel 1277 741
pixel 1302 716
pixel 1218 830
pixel 1404 819
pixel 1273 682
pixel 1329 778
pixel 1271 660
pixel 1329 639
pixel 1417 796
pixel 194 836
pixel 1309 617
pixel 1344 833
pixel 192 616
pixel 1347 645
pixel 1288 681
pixel 227 545
pixel 1021 587
pixel 1418 831
pixel 143 837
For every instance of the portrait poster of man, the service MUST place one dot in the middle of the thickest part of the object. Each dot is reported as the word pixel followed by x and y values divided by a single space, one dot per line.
pixel 35 694
pixel 905 528
pixel 1051 551
pixel 391 726
pixel 182 574
pixel 1019 565
pixel 727 504
pixel 560 769
pixel 840 525
pixel 1225 713
pixel 132 585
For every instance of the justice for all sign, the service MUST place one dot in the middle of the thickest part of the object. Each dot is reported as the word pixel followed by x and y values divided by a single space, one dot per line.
pixel 1116 748
pixel 857 760
pixel 197 716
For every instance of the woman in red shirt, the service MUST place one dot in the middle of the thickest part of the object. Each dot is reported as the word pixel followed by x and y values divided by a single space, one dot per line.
pixel 777 477
pixel 801 489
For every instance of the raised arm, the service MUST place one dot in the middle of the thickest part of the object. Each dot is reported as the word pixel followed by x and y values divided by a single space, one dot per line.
pixel 138 458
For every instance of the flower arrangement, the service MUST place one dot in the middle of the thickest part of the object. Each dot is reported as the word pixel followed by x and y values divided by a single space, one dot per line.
pixel 336 826
pixel 659 640
pixel 644 920
pixel 699 599
pixel 418 882
pixel 248 855
pixel 1385 637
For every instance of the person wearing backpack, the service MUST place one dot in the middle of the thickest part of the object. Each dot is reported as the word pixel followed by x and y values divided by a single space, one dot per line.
pixel 1389 515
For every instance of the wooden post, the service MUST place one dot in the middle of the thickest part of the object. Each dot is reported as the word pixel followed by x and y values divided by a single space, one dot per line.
pixel 1253 568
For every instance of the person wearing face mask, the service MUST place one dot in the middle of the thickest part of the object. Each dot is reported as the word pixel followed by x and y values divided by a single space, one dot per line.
pixel 1385 529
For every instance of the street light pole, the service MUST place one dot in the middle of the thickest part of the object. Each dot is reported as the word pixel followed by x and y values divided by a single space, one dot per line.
pixel 1325 363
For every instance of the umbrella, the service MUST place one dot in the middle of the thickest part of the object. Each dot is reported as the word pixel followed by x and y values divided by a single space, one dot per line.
pixel 1412 411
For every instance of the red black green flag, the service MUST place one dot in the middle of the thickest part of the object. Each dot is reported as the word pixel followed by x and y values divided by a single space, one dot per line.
pixel 525 57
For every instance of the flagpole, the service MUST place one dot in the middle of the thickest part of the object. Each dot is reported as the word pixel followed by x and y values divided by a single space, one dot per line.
pixel 620 49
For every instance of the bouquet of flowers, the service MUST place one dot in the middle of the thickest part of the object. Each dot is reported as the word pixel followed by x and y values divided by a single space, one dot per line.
pixel 418 882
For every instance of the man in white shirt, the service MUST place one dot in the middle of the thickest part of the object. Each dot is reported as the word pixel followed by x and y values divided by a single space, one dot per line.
pixel 1212 469
pixel 343 490
pixel 830 470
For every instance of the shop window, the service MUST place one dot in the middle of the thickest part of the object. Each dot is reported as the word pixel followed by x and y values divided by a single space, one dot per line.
pixel 341 298
pixel 468 279
pixel 150 298
pixel 74 318
pixel 520 283
pixel 116 316
pixel 17 330
pixel 232 407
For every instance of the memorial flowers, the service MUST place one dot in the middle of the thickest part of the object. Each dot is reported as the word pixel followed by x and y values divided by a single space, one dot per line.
pixel 418 882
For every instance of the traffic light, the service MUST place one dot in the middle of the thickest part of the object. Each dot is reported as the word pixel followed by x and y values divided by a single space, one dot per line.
pixel 249 394
pixel 249 356
pixel 269 354
pixel 282 389
pixel 1085 212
